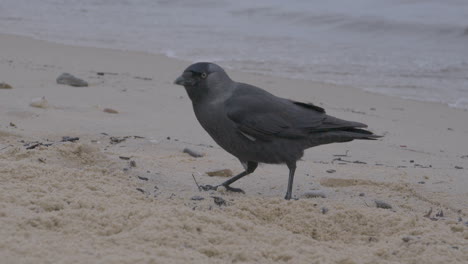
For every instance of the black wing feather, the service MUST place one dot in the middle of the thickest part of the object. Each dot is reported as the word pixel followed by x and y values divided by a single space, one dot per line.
pixel 265 116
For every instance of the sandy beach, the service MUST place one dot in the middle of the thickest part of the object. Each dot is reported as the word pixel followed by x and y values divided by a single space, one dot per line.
pixel 124 191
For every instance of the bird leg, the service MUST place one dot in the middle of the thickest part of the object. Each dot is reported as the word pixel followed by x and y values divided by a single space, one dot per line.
pixel 251 166
pixel 233 179
pixel 292 169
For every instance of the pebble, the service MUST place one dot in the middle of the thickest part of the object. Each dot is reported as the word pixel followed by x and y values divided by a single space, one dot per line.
pixel 40 102
pixel 193 153
pixel 142 178
pixel 110 111
pixel 70 139
pixel 222 173
pixel 407 239
pixel 314 194
pixel 197 198
pixel 219 201
pixel 5 86
pixel 382 204
pixel 324 210
pixel 68 79
pixel 116 140
pixel 331 171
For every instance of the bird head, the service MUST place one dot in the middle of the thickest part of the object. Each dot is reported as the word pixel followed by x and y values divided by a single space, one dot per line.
pixel 203 78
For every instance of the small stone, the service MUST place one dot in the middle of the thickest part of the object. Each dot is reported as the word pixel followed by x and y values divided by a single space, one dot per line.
pixel 362 194
pixel 222 173
pixel 458 167
pixel 193 153
pixel 219 201
pixel 197 198
pixel 314 194
pixel 68 79
pixel 143 78
pixel 12 124
pixel 142 178
pixel 324 210
pixel 116 140
pixel 5 86
pixel 382 204
pixel 70 139
pixel 110 111
pixel 407 239
pixel 440 214
pixel 40 102
pixel 132 164
pixel 331 171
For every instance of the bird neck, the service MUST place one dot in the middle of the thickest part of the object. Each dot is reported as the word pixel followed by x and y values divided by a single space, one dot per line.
pixel 196 94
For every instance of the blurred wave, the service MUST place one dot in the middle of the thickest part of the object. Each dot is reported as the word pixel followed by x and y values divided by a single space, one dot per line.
pixel 413 49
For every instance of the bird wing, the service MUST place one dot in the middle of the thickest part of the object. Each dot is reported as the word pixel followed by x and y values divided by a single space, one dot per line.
pixel 264 116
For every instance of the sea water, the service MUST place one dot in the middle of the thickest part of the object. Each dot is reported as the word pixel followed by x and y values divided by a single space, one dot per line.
pixel 414 49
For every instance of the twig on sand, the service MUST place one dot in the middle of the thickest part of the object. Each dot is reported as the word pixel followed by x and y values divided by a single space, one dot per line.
pixel 341 155
pixel 195 180
pixel 6 147
pixel 347 161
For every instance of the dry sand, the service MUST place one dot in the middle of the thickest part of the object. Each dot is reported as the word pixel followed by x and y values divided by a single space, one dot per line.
pixel 79 202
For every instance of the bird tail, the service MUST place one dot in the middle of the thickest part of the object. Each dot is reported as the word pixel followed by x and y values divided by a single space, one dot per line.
pixel 358 133
pixel 343 135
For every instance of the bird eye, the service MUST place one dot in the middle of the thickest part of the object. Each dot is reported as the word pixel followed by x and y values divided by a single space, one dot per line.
pixel 203 75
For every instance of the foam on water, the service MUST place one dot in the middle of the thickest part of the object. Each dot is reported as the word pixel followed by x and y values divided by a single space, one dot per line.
pixel 413 49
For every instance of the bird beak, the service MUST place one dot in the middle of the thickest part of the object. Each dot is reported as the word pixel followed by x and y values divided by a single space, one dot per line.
pixel 180 81
pixel 186 79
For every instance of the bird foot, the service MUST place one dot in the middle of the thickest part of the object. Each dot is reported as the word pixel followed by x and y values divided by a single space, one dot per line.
pixel 208 187
pixel 215 188
pixel 232 189
pixel 291 198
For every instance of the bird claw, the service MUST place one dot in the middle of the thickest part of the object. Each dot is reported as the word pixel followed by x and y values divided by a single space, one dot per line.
pixel 208 187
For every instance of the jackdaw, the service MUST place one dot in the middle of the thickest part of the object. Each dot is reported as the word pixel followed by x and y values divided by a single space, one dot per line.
pixel 258 127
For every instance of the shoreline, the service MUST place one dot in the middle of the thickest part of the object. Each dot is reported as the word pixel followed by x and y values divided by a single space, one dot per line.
pixel 181 60
pixel 85 201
